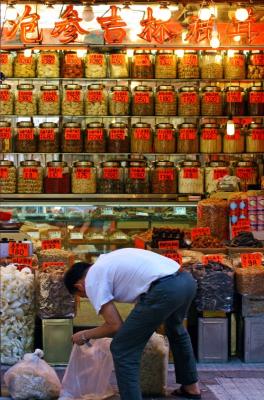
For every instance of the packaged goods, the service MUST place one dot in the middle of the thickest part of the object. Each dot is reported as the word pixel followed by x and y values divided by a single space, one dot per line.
pixel 49 138
pixel 142 65
pixel 6 64
pixel 95 65
pixel 234 101
pixel 234 144
pixel 30 177
pixel 188 65
pixel 72 65
pixel 118 140
pixel 191 178
pixel 212 101
pixel 190 257
pixel 118 65
pixel 255 65
pixel 166 100
pixel 72 100
pixel 137 177
pixel 26 139
pixel 234 65
pixel 119 100
pixel 213 213
pixel 255 138
pixel 57 178
pixel 95 138
pixel 5 137
pixel 256 101
pixel 250 280
pixel 207 242
pixel 6 99
pixel 167 234
pixel 96 100
pixel 188 101
pixel 72 138
pixel 143 101
pixel 164 178
pixel 110 178
pixel 211 64
pixel 7 177
pixel 83 177
pixel 228 184
pixel 49 100
pixel 56 256
pixel 211 138
pixel 164 138
pixel 25 100
pixel 245 239
pixel 247 172
pixel 24 67
pixel 188 139
pixel 141 138
pixel 214 171
pixel 48 65
pixel 165 65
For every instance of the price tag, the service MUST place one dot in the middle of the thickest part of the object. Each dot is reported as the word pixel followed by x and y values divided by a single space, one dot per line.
pixel 188 134
pixel 258 59
pixel 94 134
pixel 189 98
pixel 76 235
pixel 25 96
pixel 244 173
pixel 111 173
pixel 18 249
pixel 83 173
pixel 212 98
pixel 72 134
pixel 190 59
pixel 3 58
pixel 256 97
pixel 241 226
pixel 251 260
pixel 180 210
pixel 47 134
pixel 50 96
pixel 142 60
pixel 121 96
pixel 257 134
pixel 34 234
pixel 51 244
pixel 5 133
pixel 30 174
pixel 21 59
pixel 54 234
pixel 95 96
pixel 73 95
pixel 165 60
pixel 95 59
pixel 209 134
pixel 47 59
pixel 236 136
pixel 237 60
pixel 26 134
pixel 73 59
pixel 190 173
pixel 174 256
pixel 220 173
pixel 166 175
pixel 47 264
pixel 4 173
pixel 142 133
pixel 117 134
pixel 234 97
pixel 166 97
pixel 4 95
pixel 142 98
pixel 212 257
pixel 55 172
pixel 169 244
pixel 165 134
pixel 197 232
pixel 26 261
pixel 117 59
pixel 137 173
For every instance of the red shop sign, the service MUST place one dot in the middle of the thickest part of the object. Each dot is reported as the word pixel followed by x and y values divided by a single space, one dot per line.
pixel 30 173
pixel 83 173
pixel 25 96
pixel 111 173
pixel 47 134
pixel 187 134
pixel 165 134
pixel 72 134
pixel 190 173
pixel 25 261
pixel 117 134
pixel 241 226
pixel 166 175
pixel 95 96
pixel 5 133
pixel 55 172
pixel 26 134
pixel 142 98
pixel 137 173
pixel 166 97
pixel 50 96
pixel 94 134
pixel 142 133
pixel 47 59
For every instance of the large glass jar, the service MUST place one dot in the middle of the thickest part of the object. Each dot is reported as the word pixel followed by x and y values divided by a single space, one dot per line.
pixel 256 101
pixel 95 138
pixel 57 178
pixel 49 138
pixel 118 138
pixel 215 170
pixel 141 138
pixel 211 64
pixel 72 65
pixel 188 101
pixel 72 138
pixel 95 65
pixel 96 100
pixel 164 178
pixel 142 65
pixel 234 144
pixel 255 138
pixel 191 178
pixel 5 137
pixel 72 101
pixel 211 138
pixel 188 139
pixel 83 177
pixel 188 65
pixel 7 177
pixel 166 64
pixel 137 177
pixel 49 100
pixel 143 101
pixel 234 101
pixel 48 65
pixel 247 172
pixel 256 65
pixel 6 64
pixel 118 65
pixel 164 138
pixel 234 65
pixel 26 100
pixel 6 99
pixel 119 100
pixel 166 100
pixel 26 139
pixel 29 177
pixel 24 67
pixel 211 101
pixel 110 178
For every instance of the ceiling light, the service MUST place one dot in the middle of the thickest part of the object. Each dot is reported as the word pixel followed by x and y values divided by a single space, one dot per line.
pixel 230 127
pixel 237 38
pixel 11 13
pixel 215 42
pixel 125 12
pixel 130 52
pixel 87 14
pixel 179 53
pixel 241 14
pixel 27 52
pixel 162 12
pixel 204 13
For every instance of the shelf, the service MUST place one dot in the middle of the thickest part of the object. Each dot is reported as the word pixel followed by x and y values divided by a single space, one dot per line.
pixel 13 116
pixel 175 80
pixel 129 154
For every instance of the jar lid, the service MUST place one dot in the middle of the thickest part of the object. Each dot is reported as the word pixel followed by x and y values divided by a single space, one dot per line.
pixel 110 164
pixel 25 124
pixel 139 51
pixel 256 52
pixel 138 163
pixel 119 88
pixel 256 125
pixel 165 52
pixel 166 87
pixel 30 163
pixel 95 125
pixel 191 164
pixel 71 125
pixel 187 125
pixel 142 88
pixel 218 163
pixel 234 89
pixel 211 89
pixel 188 89
pixel 5 86
pixel 6 163
pixel 73 87
pixel 48 125
pixel 25 86
pixel 256 89
pixel 57 164
pixel 118 125
pixel 237 51
pixel 190 52
pixel 96 86
pixel 246 163
pixel 164 125
pixel 141 125
pixel 210 125
pixel 164 163
pixel 5 124
pixel 49 87
pixel 83 164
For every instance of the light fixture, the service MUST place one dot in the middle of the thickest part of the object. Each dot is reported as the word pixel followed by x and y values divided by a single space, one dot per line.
pixel 230 53
pixel 162 12
pixel 204 13
pixel 230 127
pixel 87 14
pixel 11 12
pixel 27 52
pixel 180 53
pixel 81 53
pixel 130 52
pixel 237 38
pixel 215 41
pixel 241 14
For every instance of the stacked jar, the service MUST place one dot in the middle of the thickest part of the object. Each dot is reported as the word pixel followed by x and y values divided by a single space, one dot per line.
pixel 95 138
pixel 137 177
pixel 255 138
pixel 247 172
pixel 6 63
pixel 234 65
pixel 119 100
pixel 96 100
pixel 49 100
pixel 211 65
pixel 256 65
pixel 118 138
pixel 72 137
pixel 143 101
pixel 5 137
pixel 83 177
pixel 235 101
pixel 165 65
pixel 118 65
pixel 26 100
pixel 57 178
pixel 211 101
pixel 8 177
pixel 26 139
pixel 49 138
pixel 214 171
pixel 6 99
pixel 24 67
pixel 188 65
pixel 191 178
pixel 95 65
pixel 110 178
pixel 164 138
pixel 256 101
pixel 30 177
pixel 211 138
pixel 48 64
pixel 72 100
pixel 142 65
pixel 141 138
pixel 166 101
pixel 188 139
pixel 188 101
pixel 164 178
pixel 234 144
pixel 72 65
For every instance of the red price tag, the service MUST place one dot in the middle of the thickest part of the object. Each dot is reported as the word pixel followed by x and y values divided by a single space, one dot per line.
pixel 137 173
pixel 169 244
pixel 111 173
pixel 21 59
pixel 26 134
pixel 165 59
pixel 165 134
pixel 166 97
pixel 95 59
pixel 95 96
pixel 25 96
pixel 212 257
pixel 121 97
pixel 30 173
pixel 3 58
pixel 47 59
pixel 234 97
pixel 73 95
pixel 94 134
pixel 258 59
pixel 236 136
pixel 51 244
pixel 241 226
pixel 117 134
pixel 83 173
pixel 237 60
pixel 47 134
pixel 117 59
pixel 18 249
pixel 166 175
pixel 258 134
pixel 189 98
pixel 209 134
pixel 251 260
pixel 72 59
pixel 142 60
pixel 72 134
pixel 50 96
pixel 256 97
pixel 26 261
pixel 190 173
pixel 4 173
pixel 197 232
pixel 188 134
pixel 55 172
pixel 212 98
pixel 5 133
pixel 175 257
pixel 190 59
pixel 220 173
pixel 142 98
pixel 142 133
pixel 47 264
pixel 4 95
pixel 244 173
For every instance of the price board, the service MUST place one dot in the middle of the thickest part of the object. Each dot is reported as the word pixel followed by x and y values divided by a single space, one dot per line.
pixel 251 260
pixel 51 244
pixel 18 249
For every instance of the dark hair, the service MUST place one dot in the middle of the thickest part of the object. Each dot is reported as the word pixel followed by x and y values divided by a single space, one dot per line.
pixel 74 274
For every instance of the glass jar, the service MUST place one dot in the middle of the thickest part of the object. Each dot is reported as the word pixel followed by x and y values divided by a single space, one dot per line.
pixel 95 138
pixel 24 67
pixel 96 100
pixel 110 178
pixel 191 178
pixel 57 178
pixel 255 138
pixel 211 64
pixel 141 138
pixel 234 101
pixel 164 178
pixel 26 139
pixel 166 100
pixel 211 138
pixel 72 65
pixel 211 101
pixel 118 138
pixel 143 101
pixel 6 100
pixel 48 65
pixel 235 65
pixel 118 65
pixel 188 65
pixel 6 64
pixel 165 65
pixel 188 139
pixel 72 138
pixel 233 144
pixel 8 177
pixel 5 137
pixel 164 138
pixel 256 101
pixel 188 101
pixel 119 100
pixel 25 100
pixel 29 177
pixel 256 65
pixel 213 171
pixel 49 138
pixel 247 172
pixel 83 177
pixel 49 100
pixel 142 65
pixel 137 177
pixel 95 65
pixel 72 100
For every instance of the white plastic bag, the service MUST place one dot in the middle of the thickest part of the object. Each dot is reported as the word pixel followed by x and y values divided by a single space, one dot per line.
pixel 32 378
pixel 88 373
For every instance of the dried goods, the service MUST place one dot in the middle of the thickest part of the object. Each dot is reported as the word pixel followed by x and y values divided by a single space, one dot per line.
pixel 256 101
pixel 25 100
pixel 250 280
pixel 142 65
pixel 25 137
pixel 6 64
pixel 255 138
pixel 49 138
pixel 190 257
pixel 110 178
pixel 83 177
pixel 210 212
pixel 72 65
pixel 234 65
pixel 167 234
pixel 210 139
pixel 166 100
pixel 8 177
pixel 49 100
pixel 213 172
pixel 164 178
pixel 24 67
pixel 228 184
pixel 72 138
pixel 56 255
pixel 5 137
pixel 72 100
pixel 191 178
pixel 245 239
pixel 6 99
pixel 48 65
pixel 119 237
pixel 119 100
pixel 96 100
pixel 207 242
pixel 57 178
pixel 143 101
pixel 234 101
pixel 30 177
pixel 166 64
pixel 234 143
pixel 188 65
pixel 211 101
pixel 255 65
pixel 137 177
pixel 164 138
pixel 247 172
pixel 188 101
pixel 118 65
pixel 188 139
pixel 211 64
pixel 141 138
pixel 95 65
pixel 95 138
pixel 118 138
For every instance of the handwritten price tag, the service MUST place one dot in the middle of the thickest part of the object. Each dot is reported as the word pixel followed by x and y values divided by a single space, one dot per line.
pixel 117 59
pixel 166 175
pixel 26 134
pixel 142 133
pixel 169 244
pixel 212 98
pixel 190 173
pixel 72 59
pixel 190 59
pixel 251 260
pixel 142 98
pixel 54 234
pixel 189 98
pixel 117 134
pixel 30 174
pixel 255 97
pixel 142 60
pixel 25 96
pixel 165 60
pixel 95 59
pixel 73 96
pixel 94 134
pixel 18 249
pixel 237 60
pixel 4 95
pixel 5 133
pixel 4 173
pixel 220 173
pixel 174 256
pixel 258 59
pixel 241 226
pixel 47 134
pixel 257 134
pixel 47 264
pixel 212 257
pixel 72 134
pixel 209 134
pixel 76 235
pixel 166 97
pixel 95 96
pixel 50 96
pixel 26 261
pixel 137 173
pixel 55 172
pixel 187 134
pixel 121 96
pixel 234 97
pixel 47 59
pixel 165 134
pixel 51 244
pixel 197 232
pixel 111 173
pixel 3 58
pixel 21 59
pixel 83 173
pixel 244 173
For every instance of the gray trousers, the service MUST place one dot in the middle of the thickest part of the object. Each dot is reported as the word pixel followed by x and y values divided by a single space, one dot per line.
pixel 166 302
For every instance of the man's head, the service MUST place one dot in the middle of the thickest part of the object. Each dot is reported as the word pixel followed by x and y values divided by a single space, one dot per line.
pixel 74 278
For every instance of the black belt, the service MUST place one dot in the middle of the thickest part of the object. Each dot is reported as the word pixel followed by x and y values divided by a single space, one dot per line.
pixel 164 278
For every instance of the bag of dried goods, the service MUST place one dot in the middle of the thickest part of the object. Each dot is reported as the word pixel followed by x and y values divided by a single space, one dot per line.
pixel 250 280
pixel 154 366
pixel 56 255
pixel 88 373
pixel 213 213
pixel 32 378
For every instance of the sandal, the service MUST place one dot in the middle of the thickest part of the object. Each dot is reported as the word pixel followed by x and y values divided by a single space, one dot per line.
pixel 181 392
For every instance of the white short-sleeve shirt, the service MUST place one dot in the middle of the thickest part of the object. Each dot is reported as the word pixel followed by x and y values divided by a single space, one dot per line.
pixel 123 275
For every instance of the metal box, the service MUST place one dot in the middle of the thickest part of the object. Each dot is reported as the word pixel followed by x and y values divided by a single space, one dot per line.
pixel 251 306
pixel 212 340
pixel 251 339
pixel 56 338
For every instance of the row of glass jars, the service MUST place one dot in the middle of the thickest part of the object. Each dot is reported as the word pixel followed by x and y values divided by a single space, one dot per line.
pixel 144 64
pixel 111 177
pixel 118 138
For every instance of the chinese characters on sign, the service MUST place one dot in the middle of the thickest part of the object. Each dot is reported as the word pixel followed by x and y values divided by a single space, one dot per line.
pixel 29 29
pixel 113 27
pixel 155 29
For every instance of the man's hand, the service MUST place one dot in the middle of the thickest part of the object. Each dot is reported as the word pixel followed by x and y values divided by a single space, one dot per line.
pixel 79 338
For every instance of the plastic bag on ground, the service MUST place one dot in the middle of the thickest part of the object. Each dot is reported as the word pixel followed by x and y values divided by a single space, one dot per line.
pixel 32 378
pixel 88 373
